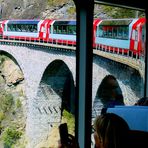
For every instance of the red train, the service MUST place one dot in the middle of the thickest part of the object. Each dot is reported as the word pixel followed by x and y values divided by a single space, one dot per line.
pixel 126 36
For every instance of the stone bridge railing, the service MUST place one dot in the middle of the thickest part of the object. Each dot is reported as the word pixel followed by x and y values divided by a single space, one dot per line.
pixel 134 62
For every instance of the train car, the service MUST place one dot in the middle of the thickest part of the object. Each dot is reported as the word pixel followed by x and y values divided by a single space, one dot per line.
pixel 126 36
pixel 26 29
pixel 55 31
pixel 63 32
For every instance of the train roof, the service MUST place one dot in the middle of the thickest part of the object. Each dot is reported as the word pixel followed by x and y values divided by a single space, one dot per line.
pixel 23 22
pixel 64 22
pixel 116 22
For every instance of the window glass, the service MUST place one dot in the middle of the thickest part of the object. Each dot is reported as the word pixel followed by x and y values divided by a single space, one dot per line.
pixel 22 27
pixel 119 57
pixel 64 27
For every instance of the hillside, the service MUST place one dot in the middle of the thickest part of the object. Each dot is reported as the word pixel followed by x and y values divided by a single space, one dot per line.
pixel 13 103
pixel 34 9
pixel 37 9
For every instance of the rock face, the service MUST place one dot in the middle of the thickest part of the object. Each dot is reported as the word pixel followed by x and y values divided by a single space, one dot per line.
pixel 42 9
pixel 22 8
pixel 11 73
pixel 12 83
pixel 35 9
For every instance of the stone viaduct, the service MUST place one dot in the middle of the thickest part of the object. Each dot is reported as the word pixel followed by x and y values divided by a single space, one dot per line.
pixel 50 72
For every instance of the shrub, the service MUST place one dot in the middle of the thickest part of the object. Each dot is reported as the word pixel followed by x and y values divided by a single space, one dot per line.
pixel 10 136
pixel 69 118
pixel 2 116
pixel 6 101
pixel 2 59
pixel 18 103
pixel 71 10
pixel 1 128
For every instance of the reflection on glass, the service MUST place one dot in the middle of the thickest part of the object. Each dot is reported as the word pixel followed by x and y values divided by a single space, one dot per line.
pixel 119 50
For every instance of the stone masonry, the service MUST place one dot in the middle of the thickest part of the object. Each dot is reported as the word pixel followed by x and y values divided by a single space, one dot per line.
pixel 33 62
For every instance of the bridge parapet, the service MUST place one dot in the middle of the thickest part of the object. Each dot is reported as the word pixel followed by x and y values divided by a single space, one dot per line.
pixel 134 62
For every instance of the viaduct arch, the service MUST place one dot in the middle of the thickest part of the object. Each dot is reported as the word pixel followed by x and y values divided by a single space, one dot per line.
pixel 41 67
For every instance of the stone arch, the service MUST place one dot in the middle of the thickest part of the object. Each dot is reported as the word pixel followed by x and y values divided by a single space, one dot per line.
pixel 12 57
pixel 127 78
pixel 58 78
pixel 13 72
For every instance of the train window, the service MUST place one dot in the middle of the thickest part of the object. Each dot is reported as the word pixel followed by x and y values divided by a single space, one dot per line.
pixel 119 51
pixel 71 29
pixel 143 33
pixel 114 29
pixel 136 35
pixel 113 32
pixel 22 26
pixel 64 27
pixel 133 34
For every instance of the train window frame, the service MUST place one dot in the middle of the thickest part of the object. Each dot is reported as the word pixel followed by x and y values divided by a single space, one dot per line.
pixel 83 13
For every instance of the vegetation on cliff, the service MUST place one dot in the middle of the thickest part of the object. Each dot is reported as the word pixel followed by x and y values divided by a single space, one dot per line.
pixel 12 119
pixel 116 12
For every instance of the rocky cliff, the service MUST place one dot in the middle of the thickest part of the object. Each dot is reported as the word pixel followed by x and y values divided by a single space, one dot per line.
pixel 13 103
pixel 36 9
pixel 39 9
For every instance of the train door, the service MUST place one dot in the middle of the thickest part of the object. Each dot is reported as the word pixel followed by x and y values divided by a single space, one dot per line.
pixel 1 31
pixel 143 40
pixel 136 39
pixel 44 30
